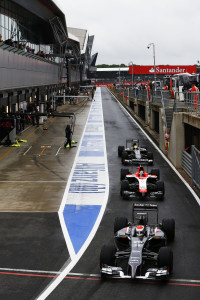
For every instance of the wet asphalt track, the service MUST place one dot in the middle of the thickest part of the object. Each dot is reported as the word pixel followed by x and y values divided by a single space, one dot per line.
pixel 178 203
pixel 43 240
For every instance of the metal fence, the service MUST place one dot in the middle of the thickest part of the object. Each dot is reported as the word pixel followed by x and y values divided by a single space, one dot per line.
pixel 191 165
pixel 187 102
pixel 133 93
pixel 187 163
pixel 143 95
pixel 181 102
pixel 195 166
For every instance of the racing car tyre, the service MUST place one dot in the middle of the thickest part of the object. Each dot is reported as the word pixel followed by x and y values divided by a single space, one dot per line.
pixel 156 172
pixel 107 255
pixel 124 155
pixel 120 150
pixel 123 174
pixel 120 223
pixel 161 188
pixel 124 186
pixel 168 226
pixel 165 258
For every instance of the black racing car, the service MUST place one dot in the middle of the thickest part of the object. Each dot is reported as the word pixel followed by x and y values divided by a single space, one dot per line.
pixel 141 184
pixel 140 249
pixel 134 154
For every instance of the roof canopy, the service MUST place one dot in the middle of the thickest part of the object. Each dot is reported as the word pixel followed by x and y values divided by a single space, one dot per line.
pixel 36 18
pixel 81 34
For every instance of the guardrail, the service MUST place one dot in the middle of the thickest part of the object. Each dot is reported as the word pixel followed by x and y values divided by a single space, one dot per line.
pixel 195 166
pixel 190 102
pixel 191 165
pixel 183 101
pixel 187 163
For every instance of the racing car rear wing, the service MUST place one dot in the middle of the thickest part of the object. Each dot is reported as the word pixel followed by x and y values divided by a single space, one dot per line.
pixel 147 212
pixel 146 206
pixel 132 141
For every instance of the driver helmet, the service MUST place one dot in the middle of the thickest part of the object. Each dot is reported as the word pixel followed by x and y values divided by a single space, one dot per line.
pixel 140 230
pixel 141 173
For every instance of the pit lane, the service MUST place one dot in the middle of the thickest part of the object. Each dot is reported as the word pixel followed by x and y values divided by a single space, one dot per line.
pixel 179 203
pixel 33 178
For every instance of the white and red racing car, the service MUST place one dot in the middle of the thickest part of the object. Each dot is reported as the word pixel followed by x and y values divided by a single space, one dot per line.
pixel 141 184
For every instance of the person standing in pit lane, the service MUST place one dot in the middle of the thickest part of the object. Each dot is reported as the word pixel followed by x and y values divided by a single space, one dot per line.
pixel 68 134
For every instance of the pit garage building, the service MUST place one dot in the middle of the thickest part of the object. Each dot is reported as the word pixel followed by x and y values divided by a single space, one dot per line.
pixel 39 55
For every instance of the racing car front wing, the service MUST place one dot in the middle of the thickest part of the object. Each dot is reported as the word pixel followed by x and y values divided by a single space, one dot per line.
pixel 135 161
pixel 152 273
pixel 128 195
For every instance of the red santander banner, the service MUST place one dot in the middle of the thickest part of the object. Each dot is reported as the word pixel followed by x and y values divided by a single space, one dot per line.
pixel 162 69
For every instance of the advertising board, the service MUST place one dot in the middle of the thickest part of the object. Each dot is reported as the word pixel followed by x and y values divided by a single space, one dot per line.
pixel 162 69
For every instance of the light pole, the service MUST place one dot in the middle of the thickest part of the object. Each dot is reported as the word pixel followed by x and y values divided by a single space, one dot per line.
pixel 154 59
pixel 132 71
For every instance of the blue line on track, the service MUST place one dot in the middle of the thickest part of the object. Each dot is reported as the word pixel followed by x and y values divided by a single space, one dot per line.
pixel 88 189
pixel 80 220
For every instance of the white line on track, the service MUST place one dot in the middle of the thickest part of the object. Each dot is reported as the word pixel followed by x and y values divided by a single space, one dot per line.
pixel 85 274
pixel 28 271
pixel 76 257
pixel 47 272
pixel 58 151
pixel 27 150
pixel 161 153
pixel 61 209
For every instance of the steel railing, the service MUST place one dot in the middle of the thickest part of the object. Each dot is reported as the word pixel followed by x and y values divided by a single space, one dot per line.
pixel 195 166
pixel 190 102
pixel 187 163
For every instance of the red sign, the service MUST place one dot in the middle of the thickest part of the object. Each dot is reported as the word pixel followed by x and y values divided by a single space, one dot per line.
pixel 162 69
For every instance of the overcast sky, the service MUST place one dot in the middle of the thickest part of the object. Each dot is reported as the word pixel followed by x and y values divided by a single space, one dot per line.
pixel 124 28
